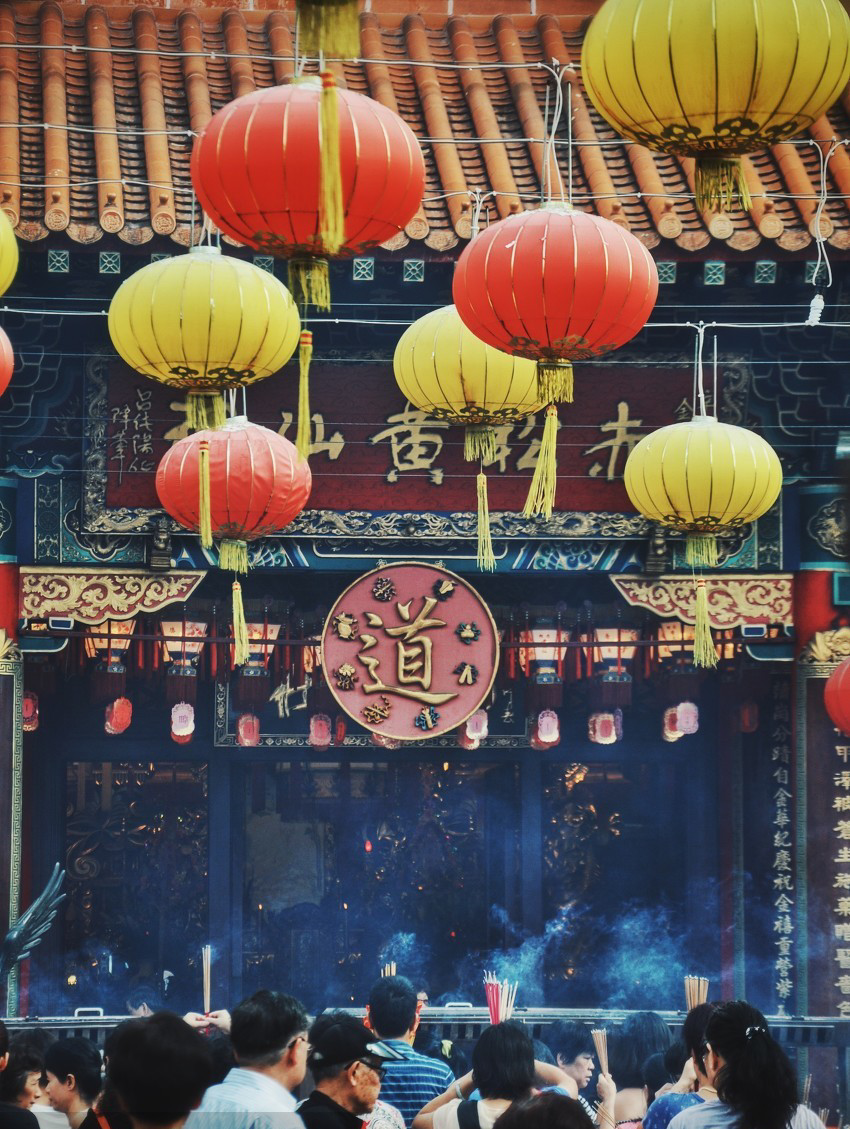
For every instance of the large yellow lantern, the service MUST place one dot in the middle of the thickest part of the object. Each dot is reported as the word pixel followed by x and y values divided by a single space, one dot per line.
pixel 206 323
pixel 8 253
pixel 713 79
pixel 443 368
pixel 703 477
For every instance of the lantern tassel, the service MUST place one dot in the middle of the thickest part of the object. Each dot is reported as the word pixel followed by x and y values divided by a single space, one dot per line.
pixel 205 411
pixel 305 353
pixel 331 213
pixel 486 557
pixel 720 184
pixel 555 382
pixel 541 495
pixel 204 514
pixel 240 627
pixel 479 443
pixel 233 556
pixel 309 283
pixel 329 27
pixel 701 550
pixel 704 650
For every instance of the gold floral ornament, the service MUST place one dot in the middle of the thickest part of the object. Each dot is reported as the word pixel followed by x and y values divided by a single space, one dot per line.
pixel 714 79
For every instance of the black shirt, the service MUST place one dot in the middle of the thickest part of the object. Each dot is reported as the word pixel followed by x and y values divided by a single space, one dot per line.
pixel 13 1117
pixel 321 1112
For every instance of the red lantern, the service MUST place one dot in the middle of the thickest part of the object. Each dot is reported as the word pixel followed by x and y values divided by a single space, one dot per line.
pixel 556 286
pixel 238 483
pixel 7 361
pixel 261 163
pixel 836 697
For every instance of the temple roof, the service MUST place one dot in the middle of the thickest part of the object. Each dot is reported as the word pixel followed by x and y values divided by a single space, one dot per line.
pixel 117 122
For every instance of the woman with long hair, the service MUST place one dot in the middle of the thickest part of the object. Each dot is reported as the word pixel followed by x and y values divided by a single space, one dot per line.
pixel 755 1083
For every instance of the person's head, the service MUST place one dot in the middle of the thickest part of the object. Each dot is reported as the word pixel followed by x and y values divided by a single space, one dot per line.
pixel 347 1062
pixel 73 1069
pixel 693 1034
pixel 20 1082
pixel 624 1066
pixel 143 1000
pixel 675 1058
pixel 572 1045
pixel 542 1052
pixel 650 1033
pixel 269 1033
pixel 545 1111
pixel 655 1075
pixel 393 1007
pixel 159 1068
pixel 221 1050
pixel 747 1066
pixel 503 1062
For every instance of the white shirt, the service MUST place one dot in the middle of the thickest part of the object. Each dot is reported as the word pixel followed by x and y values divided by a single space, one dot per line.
pixel 246 1099
pixel 445 1116
pixel 719 1115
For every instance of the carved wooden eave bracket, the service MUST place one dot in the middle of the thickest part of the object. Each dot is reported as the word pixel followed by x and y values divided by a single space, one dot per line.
pixel 733 600
pixel 91 596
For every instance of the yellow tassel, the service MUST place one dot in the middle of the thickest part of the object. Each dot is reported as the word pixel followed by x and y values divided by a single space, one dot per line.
pixel 555 382
pixel 305 352
pixel 330 28
pixel 486 557
pixel 240 627
pixel 204 514
pixel 720 184
pixel 309 283
pixel 479 443
pixel 705 653
pixel 331 213
pixel 701 550
pixel 541 495
pixel 205 411
pixel 233 556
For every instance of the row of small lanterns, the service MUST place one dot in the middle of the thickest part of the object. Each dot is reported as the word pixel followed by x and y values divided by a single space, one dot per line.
pixel 310 172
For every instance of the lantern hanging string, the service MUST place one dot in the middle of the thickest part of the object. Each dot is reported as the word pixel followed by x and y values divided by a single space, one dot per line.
pixel 820 238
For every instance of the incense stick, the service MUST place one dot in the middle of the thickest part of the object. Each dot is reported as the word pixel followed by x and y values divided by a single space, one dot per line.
pixel 696 991
pixel 500 996
pixel 807 1089
pixel 389 969
pixel 603 1114
pixel 600 1042
pixel 823 1114
pixel 206 963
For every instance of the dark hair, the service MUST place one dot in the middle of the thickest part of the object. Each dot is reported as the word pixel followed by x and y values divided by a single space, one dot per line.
pixel 624 1065
pixel 221 1050
pixel 568 1039
pixel 548 1110
pixel 542 1052
pixel 262 1025
pixel 693 1029
pixel 144 994
pixel 757 1079
pixel 159 1067
pixel 650 1033
pixel 339 1022
pixel 392 1006
pixel 503 1062
pixel 655 1075
pixel 24 1059
pixel 675 1058
pixel 79 1057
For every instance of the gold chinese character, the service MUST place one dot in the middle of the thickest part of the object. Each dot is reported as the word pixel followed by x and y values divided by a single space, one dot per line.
pixel 411 446
pixel 621 438
pixel 413 656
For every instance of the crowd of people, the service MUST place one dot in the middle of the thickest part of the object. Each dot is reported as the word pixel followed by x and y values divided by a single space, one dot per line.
pixel 247 1070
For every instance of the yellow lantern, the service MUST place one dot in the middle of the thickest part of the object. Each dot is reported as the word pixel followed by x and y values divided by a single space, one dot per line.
pixel 443 368
pixel 713 79
pixel 703 477
pixel 8 253
pixel 206 323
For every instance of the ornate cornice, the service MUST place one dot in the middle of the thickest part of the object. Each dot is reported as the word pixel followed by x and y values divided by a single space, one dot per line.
pixel 827 647
pixel 94 595
pixel 9 650
pixel 733 601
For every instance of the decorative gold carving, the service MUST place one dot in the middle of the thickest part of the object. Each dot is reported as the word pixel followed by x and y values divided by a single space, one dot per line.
pixel 8 647
pixel 93 595
pixel 733 601
pixel 827 647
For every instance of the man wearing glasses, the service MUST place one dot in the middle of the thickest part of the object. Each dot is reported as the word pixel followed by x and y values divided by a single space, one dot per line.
pixel 269 1036
pixel 347 1063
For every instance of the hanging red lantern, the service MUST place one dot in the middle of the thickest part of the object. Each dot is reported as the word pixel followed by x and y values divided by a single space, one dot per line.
pixel 7 361
pixel 266 165
pixel 836 697
pixel 239 483
pixel 556 286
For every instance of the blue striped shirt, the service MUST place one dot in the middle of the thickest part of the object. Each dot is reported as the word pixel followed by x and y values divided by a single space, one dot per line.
pixel 409 1084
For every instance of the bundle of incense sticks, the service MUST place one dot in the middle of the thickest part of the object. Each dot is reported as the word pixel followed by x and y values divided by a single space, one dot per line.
pixel 206 963
pixel 823 1114
pixel 603 1116
pixel 600 1041
pixel 696 991
pixel 807 1089
pixel 501 997
pixel 389 969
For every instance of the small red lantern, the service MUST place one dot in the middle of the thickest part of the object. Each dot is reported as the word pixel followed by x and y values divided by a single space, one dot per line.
pixel 261 169
pixel 238 483
pixel 248 730
pixel 7 361
pixel 117 716
pixel 836 697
